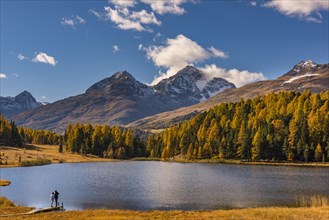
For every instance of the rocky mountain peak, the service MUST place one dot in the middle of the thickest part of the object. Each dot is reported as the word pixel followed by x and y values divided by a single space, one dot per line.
pixel 306 63
pixel 190 86
pixel 214 86
pixel 115 78
pixel 20 103
pixel 26 98
pixel 189 71
pixel 25 94
pixel 123 75
pixel 120 83
pixel 181 86
pixel 303 68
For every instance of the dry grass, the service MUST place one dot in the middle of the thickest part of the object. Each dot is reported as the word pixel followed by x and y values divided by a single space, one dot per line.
pixel 8 207
pixel 271 213
pixel 4 182
pixel 319 213
pixel 11 156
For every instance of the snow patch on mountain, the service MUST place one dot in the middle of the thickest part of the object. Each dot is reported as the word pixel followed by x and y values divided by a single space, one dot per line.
pixel 299 77
pixel 201 83
pixel 215 86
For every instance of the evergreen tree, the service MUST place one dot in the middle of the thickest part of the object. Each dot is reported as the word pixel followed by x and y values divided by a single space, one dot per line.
pixel 318 153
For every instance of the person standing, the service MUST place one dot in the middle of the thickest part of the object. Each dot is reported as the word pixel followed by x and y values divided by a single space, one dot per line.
pixel 56 197
pixel 52 198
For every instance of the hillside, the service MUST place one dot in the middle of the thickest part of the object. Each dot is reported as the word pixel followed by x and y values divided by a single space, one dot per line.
pixel 304 76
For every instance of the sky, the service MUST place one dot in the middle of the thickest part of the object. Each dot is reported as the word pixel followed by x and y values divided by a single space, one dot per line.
pixel 56 49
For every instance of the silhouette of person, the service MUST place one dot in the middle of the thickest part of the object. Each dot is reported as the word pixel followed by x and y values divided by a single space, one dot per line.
pixel 52 198
pixel 56 197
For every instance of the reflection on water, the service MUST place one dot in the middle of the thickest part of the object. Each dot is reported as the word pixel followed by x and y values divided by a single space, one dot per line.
pixel 144 185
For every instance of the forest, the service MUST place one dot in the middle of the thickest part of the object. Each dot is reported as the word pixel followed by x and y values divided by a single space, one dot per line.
pixel 9 135
pixel 284 126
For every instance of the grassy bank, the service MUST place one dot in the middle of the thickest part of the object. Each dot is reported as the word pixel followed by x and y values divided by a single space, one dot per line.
pixel 272 213
pixel 8 207
pixel 31 155
pixel 37 162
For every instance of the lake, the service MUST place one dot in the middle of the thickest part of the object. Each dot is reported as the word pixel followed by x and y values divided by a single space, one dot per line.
pixel 147 185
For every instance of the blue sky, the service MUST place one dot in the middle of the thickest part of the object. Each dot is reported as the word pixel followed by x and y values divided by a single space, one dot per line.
pixel 57 49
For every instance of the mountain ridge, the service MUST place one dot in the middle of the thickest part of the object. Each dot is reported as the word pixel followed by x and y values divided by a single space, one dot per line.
pixel 118 99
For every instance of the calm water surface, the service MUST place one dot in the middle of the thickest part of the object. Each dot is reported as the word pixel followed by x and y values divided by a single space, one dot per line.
pixel 162 185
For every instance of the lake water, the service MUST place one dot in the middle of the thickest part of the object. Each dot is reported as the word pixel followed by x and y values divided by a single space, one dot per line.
pixel 140 185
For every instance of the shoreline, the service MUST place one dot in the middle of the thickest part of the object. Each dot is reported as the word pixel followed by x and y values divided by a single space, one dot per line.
pixel 238 162
pixel 32 153
pixel 202 161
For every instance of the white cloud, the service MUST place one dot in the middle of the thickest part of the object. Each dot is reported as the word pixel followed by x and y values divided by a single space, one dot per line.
pixel 97 14
pixel 177 53
pixel 306 9
pixel 115 48
pixel 140 47
pixel 253 3
pixel 123 23
pixel 127 20
pixel 43 97
pixel 120 14
pixel 44 58
pixel 145 17
pixel 123 3
pixel 239 78
pixel 67 22
pixel 72 21
pixel 80 20
pixel 3 76
pixel 166 6
pixel 21 57
pixel 218 53
pixel 158 38
pixel 16 75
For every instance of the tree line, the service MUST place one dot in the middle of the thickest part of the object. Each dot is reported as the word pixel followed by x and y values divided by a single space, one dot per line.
pixel 104 141
pixel 11 135
pixel 284 126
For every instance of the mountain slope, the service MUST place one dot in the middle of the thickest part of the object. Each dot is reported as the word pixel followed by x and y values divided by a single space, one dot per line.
pixel 304 76
pixel 119 99
pixel 14 105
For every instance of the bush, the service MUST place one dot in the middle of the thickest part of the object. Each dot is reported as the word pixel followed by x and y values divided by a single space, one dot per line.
pixel 5 202
pixel 37 162
pixel 312 201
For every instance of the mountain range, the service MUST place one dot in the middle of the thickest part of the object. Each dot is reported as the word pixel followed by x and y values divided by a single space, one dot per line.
pixel 306 75
pixel 121 99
